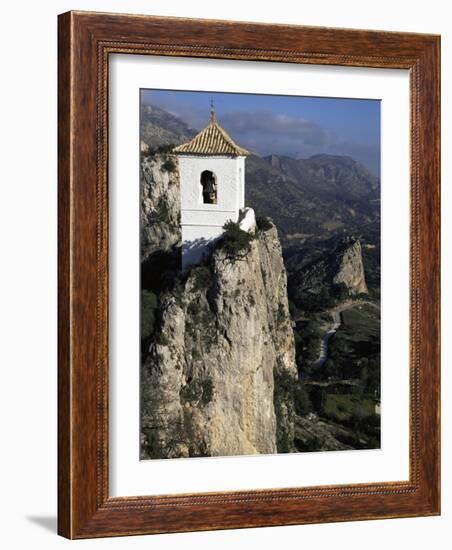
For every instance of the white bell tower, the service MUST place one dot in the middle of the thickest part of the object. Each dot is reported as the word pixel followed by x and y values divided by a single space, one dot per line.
pixel 212 188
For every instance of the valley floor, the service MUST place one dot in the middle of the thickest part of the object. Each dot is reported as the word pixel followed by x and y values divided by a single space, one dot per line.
pixel 341 387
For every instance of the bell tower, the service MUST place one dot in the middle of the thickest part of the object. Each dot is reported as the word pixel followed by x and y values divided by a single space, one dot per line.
pixel 212 188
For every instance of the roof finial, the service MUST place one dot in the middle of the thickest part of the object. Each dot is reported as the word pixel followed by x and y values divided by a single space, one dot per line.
pixel 212 111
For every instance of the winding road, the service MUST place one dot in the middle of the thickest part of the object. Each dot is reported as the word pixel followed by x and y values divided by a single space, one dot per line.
pixel 337 321
pixel 326 338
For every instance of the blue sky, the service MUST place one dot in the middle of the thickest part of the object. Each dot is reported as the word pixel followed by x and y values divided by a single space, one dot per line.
pixel 285 125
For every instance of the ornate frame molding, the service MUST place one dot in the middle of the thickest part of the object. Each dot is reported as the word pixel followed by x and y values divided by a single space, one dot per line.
pixel 85 42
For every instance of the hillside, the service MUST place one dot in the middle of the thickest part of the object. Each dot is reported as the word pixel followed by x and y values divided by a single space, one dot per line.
pixel 312 198
pixel 158 127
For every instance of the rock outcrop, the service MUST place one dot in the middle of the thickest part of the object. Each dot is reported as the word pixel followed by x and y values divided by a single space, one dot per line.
pixel 341 268
pixel 348 264
pixel 225 340
pixel 160 204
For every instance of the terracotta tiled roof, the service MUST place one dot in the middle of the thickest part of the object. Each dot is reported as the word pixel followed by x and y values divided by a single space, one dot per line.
pixel 213 140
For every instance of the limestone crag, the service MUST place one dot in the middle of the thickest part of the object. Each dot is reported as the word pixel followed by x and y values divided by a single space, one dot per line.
pixel 341 267
pixel 349 268
pixel 160 204
pixel 208 383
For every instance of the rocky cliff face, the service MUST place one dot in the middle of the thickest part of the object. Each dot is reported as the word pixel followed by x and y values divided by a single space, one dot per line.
pixel 225 340
pixel 160 204
pixel 348 265
pixel 343 267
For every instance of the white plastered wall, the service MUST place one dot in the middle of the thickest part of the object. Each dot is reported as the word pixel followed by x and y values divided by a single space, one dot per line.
pixel 203 223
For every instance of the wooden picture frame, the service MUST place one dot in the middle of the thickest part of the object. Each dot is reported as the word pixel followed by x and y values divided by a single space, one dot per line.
pixel 86 40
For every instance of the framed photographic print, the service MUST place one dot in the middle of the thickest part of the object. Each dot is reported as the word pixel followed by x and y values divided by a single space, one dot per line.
pixel 248 275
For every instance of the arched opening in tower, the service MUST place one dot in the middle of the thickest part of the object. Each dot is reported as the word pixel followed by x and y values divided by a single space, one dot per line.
pixel 209 187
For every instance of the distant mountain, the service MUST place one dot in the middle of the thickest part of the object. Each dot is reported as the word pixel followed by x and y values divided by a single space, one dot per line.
pixel 330 175
pixel 158 127
pixel 315 197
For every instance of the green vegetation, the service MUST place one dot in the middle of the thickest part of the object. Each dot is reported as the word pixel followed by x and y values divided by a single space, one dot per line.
pixel 149 307
pixel 151 447
pixel 179 291
pixel 156 446
pixel 362 321
pixel 207 391
pixel 308 334
pixel 280 315
pixel 303 404
pixel 162 212
pixel 339 292
pixel 201 277
pixel 284 403
pixel 311 302
pixel 161 149
pixel 161 339
pixel 165 148
pixel 169 165
pixel 235 241
pixel 344 407
pixel 354 351
pixel 154 286
pixel 198 391
pixel 201 320
pixel 348 406
pixel 263 223
pixel 165 153
pixel 344 391
pixel 371 262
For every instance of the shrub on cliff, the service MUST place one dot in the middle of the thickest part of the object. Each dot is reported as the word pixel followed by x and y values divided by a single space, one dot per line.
pixel 198 391
pixel 163 212
pixel 149 305
pixel 263 223
pixel 201 277
pixel 169 165
pixel 236 242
